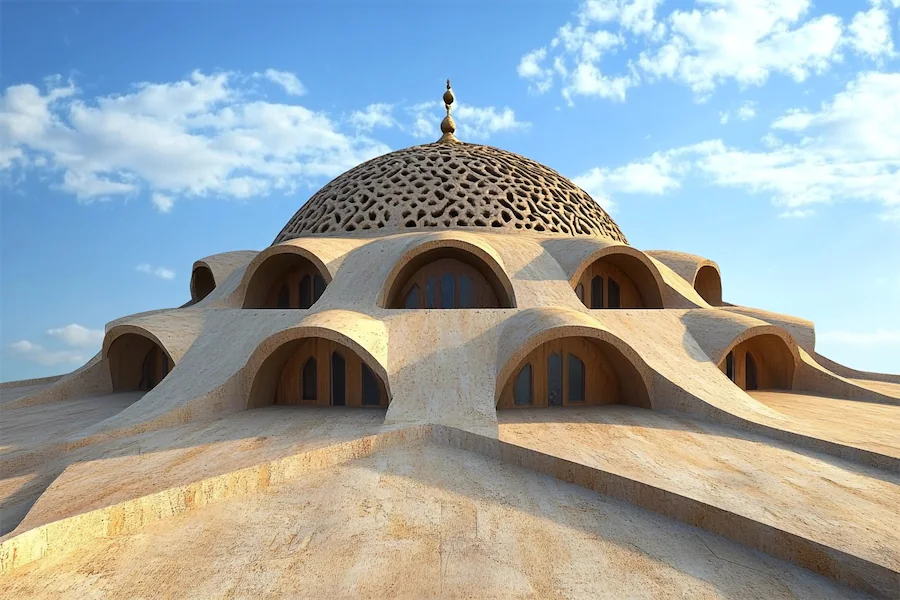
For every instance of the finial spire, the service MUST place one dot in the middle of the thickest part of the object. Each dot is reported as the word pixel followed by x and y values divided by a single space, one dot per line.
pixel 448 127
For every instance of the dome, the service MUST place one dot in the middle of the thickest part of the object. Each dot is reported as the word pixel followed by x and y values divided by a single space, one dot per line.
pixel 451 184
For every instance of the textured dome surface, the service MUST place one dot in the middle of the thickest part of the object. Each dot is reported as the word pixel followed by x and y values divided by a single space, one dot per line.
pixel 456 184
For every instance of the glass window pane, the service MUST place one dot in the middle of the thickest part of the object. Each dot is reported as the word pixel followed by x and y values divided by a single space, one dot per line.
pixel 318 287
pixel 554 379
pixel 448 291
pixel 430 292
pixel 576 379
pixel 413 298
pixel 597 292
pixel 522 395
pixel 614 294
pixel 308 380
pixel 371 395
pixel 579 291
pixel 338 380
pixel 284 297
pixel 305 300
pixel 750 372
pixel 466 292
pixel 729 366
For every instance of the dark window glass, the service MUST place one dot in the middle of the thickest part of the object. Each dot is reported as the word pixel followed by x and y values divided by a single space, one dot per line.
pixel 165 364
pixel 579 291
pixel 318 287
pixel 597 292
pixel 554 379
pixel 430 292
pixel 284 297
pixel 750 375
pixel 305 299
pixel 338 380
pixel 522 395
pixel 614 299
pixel 448 291
pixel 466 292
pixel 413 298
pixel 370 393
pixel 729 366
pixel 308 380
pixel 148 371
pixel 576 379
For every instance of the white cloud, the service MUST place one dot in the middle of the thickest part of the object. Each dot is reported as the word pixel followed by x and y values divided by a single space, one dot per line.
pixel 77 335
pixel 879 337
pixel 374 115
pixel 656 175
pixel 472 122
pixel 702 46
pixel 746 111
pixel 38 354
pixel 162 202
pixel 205 135
pixel 797 213
pixel 870 33
pixel 724 116
pixel 287 80
pixel 161 272
pixel 847 150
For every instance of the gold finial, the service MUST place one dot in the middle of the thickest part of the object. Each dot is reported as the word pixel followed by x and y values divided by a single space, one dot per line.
pixel 448 127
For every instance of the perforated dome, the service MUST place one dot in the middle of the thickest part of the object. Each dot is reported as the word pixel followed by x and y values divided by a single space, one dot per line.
pixel 451 185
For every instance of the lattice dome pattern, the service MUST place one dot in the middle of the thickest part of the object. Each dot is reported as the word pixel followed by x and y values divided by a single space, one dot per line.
pixel 444 185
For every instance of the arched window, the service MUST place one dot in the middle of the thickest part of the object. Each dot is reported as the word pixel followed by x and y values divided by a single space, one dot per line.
pixel 597 292
pixel 305 292
pixel 136 363
pixel 760 362
pixel 338 380
pixel 371 395
pixel 614 295
pixel 413 298
pixel 309 380
pixel 284 281
pixel 448 279
pixel 575 380
pixel 284 297
pixel 579 291
pixel 574 371
pixel 629 283
pixel 522 391
pixel 319 372
pixel 318 287
pixel 750 375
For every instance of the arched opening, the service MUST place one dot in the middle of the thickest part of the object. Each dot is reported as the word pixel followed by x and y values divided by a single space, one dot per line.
pixel 762 362
pixel 316 372
pixel 202 283
pixel 137 363
pixel 709 285
pixel 574 371
pixel 447 278
pixel 618 281
pixel 285 280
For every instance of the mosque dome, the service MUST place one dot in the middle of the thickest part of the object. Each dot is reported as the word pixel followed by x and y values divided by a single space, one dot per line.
pixel 451 184
pixel 447 185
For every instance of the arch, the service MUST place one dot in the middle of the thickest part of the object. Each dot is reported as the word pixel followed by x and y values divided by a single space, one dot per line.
pixel 136 362
pixel 761 361
pixel 625 269
pixel 202 282
pixel 574 371
pixel 285 264
pixel 443 258
pixel 708 283
pixel 279 377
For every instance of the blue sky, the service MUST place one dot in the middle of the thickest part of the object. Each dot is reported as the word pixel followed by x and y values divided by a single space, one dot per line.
pixel 137 137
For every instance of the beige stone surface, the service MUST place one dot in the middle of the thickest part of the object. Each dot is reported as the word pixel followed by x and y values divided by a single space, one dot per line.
pixel 436 522
pixel 809 479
